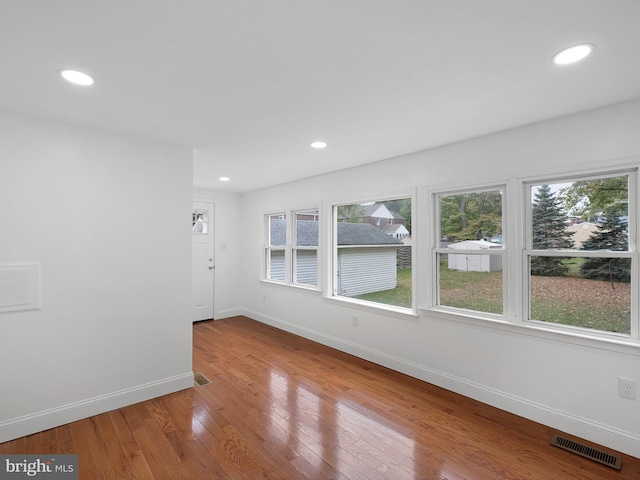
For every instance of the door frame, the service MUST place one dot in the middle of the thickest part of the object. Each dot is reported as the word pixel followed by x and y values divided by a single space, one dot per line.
pixel 212 229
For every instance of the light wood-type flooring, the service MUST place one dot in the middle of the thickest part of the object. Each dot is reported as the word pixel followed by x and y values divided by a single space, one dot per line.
pixel 282 407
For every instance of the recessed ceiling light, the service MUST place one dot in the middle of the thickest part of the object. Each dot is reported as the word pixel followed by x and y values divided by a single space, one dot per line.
pixel 319 144
pixel 79 78
pixel 224 179
pixel 572 54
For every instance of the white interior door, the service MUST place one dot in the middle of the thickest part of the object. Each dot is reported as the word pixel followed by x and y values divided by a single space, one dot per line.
pixel 203 261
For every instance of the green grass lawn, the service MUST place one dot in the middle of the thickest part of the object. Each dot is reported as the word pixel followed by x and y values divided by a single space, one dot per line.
pixel 573 265
pixel 481 291
pixel 566 300
pixel 399 296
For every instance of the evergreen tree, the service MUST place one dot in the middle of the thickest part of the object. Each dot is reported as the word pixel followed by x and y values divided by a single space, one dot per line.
pixel 612 235
pixel 549 231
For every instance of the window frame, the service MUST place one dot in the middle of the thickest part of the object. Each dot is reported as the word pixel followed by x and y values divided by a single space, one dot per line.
pixel 269 248
pixel 290 248
pixel 295 248
pixel 632 252
pixel 436 251
pixel 516 219
pixel 405 313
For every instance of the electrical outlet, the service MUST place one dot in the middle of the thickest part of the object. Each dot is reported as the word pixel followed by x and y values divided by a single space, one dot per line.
pixel 627 388
pixel 355 320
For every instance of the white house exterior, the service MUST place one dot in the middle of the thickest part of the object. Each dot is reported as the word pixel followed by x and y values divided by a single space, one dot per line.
pixel 366 270
pixel 378 213
pixel 475 262
pixel 396 231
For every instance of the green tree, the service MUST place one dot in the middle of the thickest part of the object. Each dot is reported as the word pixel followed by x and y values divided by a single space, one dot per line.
pixel 589 198
pixel 612 235
pixel 548 231
pixel 350 213
pixel 471 216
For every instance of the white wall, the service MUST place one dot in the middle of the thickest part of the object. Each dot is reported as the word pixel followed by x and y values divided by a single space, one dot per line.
pixel 108 219
pixel 568 384
pixel 227 250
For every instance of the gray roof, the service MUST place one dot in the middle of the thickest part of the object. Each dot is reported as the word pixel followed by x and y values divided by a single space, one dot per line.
pixel 363 234
pixel 348 234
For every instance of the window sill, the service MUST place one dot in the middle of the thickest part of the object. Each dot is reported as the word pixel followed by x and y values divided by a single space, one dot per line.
pixel 613 343
pixel 291 285
pixel 379 308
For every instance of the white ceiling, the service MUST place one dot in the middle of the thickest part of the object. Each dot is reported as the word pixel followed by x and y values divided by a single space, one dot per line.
pixel 250 83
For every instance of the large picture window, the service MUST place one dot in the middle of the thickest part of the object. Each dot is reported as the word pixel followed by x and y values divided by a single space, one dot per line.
pixel 581 264
pixel 373 252
pixel 469 253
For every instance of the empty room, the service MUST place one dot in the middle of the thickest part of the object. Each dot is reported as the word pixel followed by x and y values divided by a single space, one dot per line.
pixel 356 239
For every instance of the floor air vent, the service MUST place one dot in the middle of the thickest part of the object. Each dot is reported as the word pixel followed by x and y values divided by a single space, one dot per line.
pixel 591 453
pixel 200 379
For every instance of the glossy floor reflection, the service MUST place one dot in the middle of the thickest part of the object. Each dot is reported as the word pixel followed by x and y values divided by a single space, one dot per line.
pixel 331 415
pixel 282 407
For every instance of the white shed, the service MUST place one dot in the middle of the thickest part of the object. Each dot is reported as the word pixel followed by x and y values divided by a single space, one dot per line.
pixel 475 262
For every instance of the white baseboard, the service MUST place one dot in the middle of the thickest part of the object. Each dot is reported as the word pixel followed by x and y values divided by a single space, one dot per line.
pixel 37 422
pixel 614 438
pixel 232 312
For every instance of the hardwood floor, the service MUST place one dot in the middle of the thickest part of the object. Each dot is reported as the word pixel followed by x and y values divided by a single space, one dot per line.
pixel 282 407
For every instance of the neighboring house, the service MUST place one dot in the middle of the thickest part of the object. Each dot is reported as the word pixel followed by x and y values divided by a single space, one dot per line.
pixel 475 263
pixel 378 215
pixel 366 256
pixel 310 215
pixel 396 231
pixel 581 232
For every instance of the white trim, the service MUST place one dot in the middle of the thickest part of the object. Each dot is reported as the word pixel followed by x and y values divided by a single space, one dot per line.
pixel 403 313
pixel 617 439
pixel 299 286
pixel 553 332
pixel 54 417
pixel 232 312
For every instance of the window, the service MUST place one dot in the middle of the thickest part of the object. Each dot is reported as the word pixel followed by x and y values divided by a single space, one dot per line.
pixel 578 252
pixel 370 263
pixel 469 252
pixel 200 222
pixel 305 249
pixel 293 262
pixel 275 265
